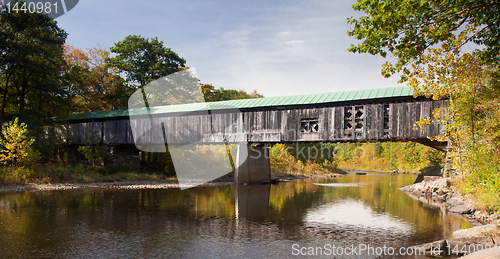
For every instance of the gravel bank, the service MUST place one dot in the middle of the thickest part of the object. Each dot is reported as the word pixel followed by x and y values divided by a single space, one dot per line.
pixel 223 181
pixel 70 186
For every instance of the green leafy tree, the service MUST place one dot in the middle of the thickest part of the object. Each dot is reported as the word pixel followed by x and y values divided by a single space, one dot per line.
pixel 405 29
pixel 31 62
pixel 144 60
pixel 212 94
pixel 16 145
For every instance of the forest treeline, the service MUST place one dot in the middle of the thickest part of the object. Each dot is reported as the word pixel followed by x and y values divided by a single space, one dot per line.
pixel 405 157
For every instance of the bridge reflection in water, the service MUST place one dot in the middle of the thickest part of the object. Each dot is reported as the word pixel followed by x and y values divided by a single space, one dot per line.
pixel 252 201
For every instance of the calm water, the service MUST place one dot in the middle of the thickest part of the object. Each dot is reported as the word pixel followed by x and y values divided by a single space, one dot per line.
pixel 224 222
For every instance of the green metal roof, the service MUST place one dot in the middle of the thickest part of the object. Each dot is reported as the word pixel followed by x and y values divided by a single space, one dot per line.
pixel 306 99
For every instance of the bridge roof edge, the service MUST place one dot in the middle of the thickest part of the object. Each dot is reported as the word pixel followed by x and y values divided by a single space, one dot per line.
pixel 295 100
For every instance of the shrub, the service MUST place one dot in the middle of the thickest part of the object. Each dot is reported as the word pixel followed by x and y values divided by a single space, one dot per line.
pixel 95 153
pixel 16 145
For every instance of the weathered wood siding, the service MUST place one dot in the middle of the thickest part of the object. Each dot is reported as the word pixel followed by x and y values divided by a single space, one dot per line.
pixel 362 122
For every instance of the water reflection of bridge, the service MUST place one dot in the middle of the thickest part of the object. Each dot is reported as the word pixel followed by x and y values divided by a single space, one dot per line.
pixel 387 114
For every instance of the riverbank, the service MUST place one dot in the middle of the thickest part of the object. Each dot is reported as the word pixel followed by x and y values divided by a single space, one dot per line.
pixel 147 184
pixel 439 192
pixel 397 171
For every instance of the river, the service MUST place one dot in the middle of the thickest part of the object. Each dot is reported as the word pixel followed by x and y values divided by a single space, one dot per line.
pixel 312 217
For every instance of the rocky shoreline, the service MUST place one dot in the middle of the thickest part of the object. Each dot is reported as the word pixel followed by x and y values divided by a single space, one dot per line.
pixel 438 191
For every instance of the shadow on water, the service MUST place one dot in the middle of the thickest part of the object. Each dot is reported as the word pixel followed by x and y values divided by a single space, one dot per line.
pixel 251 221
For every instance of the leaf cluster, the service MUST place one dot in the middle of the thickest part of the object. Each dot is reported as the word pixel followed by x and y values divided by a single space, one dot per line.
pixel 91 83
pixel 212 94
pixel 94 153
pixel 144 60
pixel 406 28
pixel 31 63
pixel 16 146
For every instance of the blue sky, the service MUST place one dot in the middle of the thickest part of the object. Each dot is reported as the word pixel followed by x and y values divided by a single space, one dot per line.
pixel 275 47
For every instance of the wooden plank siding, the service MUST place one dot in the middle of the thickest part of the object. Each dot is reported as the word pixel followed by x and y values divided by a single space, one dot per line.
pixel 359 122
pixel 85 132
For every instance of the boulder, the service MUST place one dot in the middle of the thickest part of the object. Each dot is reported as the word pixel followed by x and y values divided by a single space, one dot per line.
pixel 461 209
pixel 484 230
pixel 470 245
pixel 437 248
pixel 492 253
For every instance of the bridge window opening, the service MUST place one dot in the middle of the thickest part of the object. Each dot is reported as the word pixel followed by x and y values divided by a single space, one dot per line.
pixel 359 112
pixel 386 119
pixel 309 125
pixel 347 113
pixel 359 120
pixel 348 122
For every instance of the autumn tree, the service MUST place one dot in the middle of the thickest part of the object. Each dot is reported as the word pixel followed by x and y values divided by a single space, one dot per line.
pixel 92 84
pixel 450 50
pixel 471 118
pixel 16 146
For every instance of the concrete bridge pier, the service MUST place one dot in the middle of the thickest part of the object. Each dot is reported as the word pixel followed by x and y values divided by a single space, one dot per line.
pixel 252 164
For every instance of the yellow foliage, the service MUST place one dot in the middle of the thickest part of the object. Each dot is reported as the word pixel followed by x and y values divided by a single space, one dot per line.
pixel 471 119
pixel 16 146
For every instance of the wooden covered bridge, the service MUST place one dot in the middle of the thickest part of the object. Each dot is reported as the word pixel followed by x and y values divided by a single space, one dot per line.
pixel 387 114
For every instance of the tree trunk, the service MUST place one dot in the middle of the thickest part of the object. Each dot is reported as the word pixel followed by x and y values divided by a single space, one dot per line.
pixel 4 100
pixel 22 95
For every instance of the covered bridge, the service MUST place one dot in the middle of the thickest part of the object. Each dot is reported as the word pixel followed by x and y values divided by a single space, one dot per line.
pixel 386 114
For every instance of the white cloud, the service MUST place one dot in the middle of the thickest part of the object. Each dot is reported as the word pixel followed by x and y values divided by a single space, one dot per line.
pixel 284 34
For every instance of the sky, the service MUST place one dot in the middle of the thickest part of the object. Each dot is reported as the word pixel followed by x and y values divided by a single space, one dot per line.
pixel 278 47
